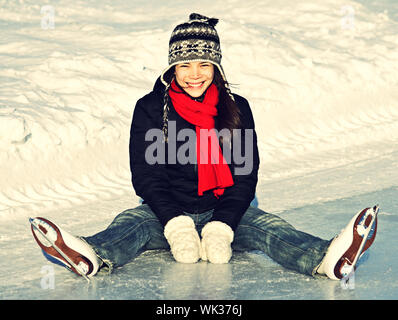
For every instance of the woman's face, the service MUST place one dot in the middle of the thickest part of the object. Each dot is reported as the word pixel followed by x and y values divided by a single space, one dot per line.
pixel 194 77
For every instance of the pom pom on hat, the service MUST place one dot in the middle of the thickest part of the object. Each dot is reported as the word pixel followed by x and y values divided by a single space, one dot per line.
pixel 198 17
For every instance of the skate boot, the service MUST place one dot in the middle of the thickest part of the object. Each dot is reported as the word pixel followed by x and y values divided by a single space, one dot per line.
pixel 346 249
pixel 61 248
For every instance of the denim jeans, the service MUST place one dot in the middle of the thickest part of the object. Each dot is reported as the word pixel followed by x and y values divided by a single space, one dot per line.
pixel 136 230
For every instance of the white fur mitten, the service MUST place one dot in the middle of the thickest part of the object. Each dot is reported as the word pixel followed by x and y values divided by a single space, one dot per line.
pixel 216 242
pixel 183 239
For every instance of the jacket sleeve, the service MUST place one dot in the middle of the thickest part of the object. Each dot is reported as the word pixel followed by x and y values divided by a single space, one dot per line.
pixel 237 198
pixel 150 181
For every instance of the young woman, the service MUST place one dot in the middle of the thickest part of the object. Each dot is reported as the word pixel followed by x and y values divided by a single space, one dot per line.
pixel 186 143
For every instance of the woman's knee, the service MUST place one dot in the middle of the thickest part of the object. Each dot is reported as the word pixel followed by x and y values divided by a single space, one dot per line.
pixel 142 212
pixel 255 217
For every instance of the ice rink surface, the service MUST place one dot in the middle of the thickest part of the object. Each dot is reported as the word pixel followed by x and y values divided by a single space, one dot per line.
pixel 154 275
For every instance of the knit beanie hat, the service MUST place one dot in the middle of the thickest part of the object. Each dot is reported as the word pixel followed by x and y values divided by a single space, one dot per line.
pixel 195 40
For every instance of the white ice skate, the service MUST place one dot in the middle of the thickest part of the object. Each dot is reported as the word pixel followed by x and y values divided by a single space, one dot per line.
pixel 346 249
pixel 61 248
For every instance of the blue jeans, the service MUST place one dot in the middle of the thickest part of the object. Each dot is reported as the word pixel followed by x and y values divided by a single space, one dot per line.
pixel 136 230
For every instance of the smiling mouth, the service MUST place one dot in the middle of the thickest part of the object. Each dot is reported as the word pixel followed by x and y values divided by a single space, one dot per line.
pixel 195 85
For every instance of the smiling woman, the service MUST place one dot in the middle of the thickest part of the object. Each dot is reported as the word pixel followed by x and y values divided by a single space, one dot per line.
pixel 201 210
pixel 194 77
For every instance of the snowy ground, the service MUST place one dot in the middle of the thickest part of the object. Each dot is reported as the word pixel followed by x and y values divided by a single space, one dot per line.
pixel 322 81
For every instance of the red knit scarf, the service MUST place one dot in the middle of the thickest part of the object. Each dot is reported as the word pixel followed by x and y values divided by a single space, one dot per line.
pixel 213 171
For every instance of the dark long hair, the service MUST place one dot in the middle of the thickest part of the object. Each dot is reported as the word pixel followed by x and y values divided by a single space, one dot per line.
pixel 228 112
pixel 229 116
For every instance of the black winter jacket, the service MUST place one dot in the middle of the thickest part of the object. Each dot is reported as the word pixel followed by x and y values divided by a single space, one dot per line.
pixel 172 189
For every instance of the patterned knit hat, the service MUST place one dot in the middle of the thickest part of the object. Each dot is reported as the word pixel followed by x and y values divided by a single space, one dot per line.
pixel 195 40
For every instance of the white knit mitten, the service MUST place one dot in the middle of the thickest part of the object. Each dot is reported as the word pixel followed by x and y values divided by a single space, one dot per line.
pixel 183 239
pixel 216 242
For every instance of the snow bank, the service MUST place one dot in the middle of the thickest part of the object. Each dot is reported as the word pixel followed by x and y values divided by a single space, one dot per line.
pixel 321 79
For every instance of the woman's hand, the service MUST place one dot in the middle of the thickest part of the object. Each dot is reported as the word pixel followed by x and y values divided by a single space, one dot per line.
pixel 216 242
pixel 183 239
